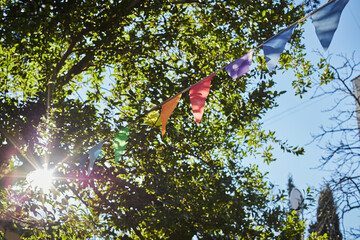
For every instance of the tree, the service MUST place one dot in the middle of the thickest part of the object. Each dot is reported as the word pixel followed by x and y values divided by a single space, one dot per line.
pixel 327 220
pixel 341 140
pixel 74 73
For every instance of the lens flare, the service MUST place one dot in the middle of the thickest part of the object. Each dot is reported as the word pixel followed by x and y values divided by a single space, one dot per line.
pixel 40 178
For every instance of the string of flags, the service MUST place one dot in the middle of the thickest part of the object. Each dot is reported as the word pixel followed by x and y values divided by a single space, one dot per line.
pixel 325 20
pixel 198 95
pixel 274 47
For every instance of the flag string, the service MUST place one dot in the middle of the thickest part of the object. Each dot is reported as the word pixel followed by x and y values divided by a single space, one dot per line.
pixel 295 23
pixel 257 47
pixel 130 124
pixel 235 69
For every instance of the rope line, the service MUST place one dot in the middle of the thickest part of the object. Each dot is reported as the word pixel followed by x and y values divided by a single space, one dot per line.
pixel 257 47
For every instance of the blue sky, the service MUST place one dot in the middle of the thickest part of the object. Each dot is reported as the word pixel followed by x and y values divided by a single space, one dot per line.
pixel 296 119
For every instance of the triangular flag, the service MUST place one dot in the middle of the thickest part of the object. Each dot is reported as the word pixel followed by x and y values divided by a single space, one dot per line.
pixel 83 160
pixel 120 142
pixel 326 21
pixel 152 119
pixel 274 47
pixel 198 95
pixel 240 66
pixel 94 153
pixel 166 110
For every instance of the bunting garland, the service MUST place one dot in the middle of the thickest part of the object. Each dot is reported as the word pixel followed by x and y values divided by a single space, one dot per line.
pixel 120 142
pixel 275 46
pixel 152 119
pixel 166 111
pixel 325 20
pixel 240 66
pixel 198 95
pixel 94 153
pixel 83 160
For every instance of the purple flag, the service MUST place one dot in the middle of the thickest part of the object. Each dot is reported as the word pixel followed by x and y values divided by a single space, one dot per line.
pixel 326 21
pixel 240 66
pixel 274 47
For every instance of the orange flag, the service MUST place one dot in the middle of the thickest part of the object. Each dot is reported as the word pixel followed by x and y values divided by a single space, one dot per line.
pixel 166 110
pixel 198 95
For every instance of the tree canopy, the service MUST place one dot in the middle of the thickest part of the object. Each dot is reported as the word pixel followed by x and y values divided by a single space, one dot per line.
pixel 340 140
pixel 327 219
pixel 73 73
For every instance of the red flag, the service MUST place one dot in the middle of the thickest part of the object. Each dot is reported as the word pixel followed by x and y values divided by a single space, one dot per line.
pixel 198 95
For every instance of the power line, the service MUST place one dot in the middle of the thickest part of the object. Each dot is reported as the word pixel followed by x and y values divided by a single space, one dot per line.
pixel 291 110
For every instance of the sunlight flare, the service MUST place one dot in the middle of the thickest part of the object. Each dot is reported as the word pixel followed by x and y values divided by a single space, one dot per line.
pixel 40 178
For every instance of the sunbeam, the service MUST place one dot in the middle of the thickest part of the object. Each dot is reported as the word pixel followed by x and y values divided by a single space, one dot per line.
pixel 40 178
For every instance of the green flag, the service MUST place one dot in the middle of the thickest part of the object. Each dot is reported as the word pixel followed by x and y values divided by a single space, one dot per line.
pixel 120 142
